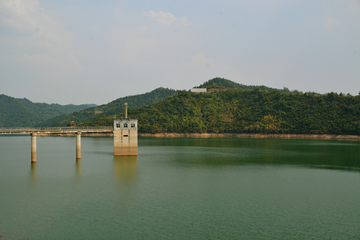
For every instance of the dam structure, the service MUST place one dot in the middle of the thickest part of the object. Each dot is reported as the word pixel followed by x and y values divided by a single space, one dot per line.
pixel 125 136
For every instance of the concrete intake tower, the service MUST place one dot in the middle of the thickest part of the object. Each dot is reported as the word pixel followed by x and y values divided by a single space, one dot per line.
pixel 125 136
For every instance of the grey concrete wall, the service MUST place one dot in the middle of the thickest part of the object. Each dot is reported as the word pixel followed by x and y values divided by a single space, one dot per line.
pixel 125 142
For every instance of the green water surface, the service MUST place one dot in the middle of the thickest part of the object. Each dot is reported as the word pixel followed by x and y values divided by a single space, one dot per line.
pixel 180 189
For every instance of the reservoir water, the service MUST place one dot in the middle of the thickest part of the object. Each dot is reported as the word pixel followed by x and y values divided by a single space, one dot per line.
pixel 180 189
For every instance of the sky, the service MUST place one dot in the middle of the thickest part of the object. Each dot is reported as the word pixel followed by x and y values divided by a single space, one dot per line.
pixel 90 51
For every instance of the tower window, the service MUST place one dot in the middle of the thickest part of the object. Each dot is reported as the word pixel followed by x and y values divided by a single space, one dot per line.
pixel 125 125
pixel 118 125
pixel 133 125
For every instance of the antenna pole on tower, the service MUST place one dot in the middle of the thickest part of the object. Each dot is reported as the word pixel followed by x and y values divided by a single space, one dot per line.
pixel 126 110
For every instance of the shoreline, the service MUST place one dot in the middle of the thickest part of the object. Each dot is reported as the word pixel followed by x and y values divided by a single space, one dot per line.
pixel 251 135
pixel 216 135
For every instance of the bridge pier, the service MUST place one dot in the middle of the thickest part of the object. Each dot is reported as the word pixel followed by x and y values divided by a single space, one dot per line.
pixel 78 145
pixel 33 147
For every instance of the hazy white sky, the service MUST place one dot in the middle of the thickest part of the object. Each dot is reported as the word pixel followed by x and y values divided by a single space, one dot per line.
pixel 90 51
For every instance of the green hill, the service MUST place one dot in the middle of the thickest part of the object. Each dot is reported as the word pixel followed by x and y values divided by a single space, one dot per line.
pixel 239 109
pixel 110 109
pixel 249 111
pixel 16 112
pixel 224 83
pixel 47 111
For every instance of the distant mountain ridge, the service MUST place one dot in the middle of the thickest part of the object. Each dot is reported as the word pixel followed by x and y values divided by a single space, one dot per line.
pixel 16 112
pixel 24 113
pixel 225 83
pixel 110 109
pixel 247 111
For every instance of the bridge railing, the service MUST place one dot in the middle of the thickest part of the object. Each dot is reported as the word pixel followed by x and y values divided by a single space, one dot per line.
pixel 53 128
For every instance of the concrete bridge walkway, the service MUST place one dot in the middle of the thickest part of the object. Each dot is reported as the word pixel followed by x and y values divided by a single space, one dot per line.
pixel 58 131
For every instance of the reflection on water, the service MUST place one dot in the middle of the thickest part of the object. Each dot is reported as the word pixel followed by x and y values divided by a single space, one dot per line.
pixel 125 170
pixel 33 172
pixel 326 154
pixel 78 167
pixel 180 189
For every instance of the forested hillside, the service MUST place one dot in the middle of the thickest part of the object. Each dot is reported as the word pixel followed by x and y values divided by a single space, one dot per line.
pixel 249 111
pixel 50 110
pixel 224 83
pixel 24 113
pixel 239 109
pixel 110 109
pixel 13 113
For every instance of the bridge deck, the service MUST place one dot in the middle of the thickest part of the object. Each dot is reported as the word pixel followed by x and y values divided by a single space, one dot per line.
pixel 54 130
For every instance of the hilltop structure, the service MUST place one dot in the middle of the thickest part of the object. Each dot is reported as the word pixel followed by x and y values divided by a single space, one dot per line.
pixel 125 136
pixel 209 90
pixel 198 90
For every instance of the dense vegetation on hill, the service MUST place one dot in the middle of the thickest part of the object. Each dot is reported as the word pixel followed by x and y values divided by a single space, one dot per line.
pixel 13 113
pixel 224 83
pixel 47 111
pixel 240 109
pixel 111 108
pixel 24 113
pixel 249 111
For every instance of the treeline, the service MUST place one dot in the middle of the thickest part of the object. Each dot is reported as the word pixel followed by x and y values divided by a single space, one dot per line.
pixel 225 83
pixel 15 112
pixel 47 111
pixel 248 111
pixel 109 109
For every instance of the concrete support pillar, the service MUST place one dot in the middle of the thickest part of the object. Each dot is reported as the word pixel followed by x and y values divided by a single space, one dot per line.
pixel 33 147
pixel 78 145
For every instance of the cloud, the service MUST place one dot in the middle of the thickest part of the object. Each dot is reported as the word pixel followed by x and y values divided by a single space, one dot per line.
pixel 33 37
pixel 166 18
pixel 15 15
pixel 184 21
pixel 330 23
